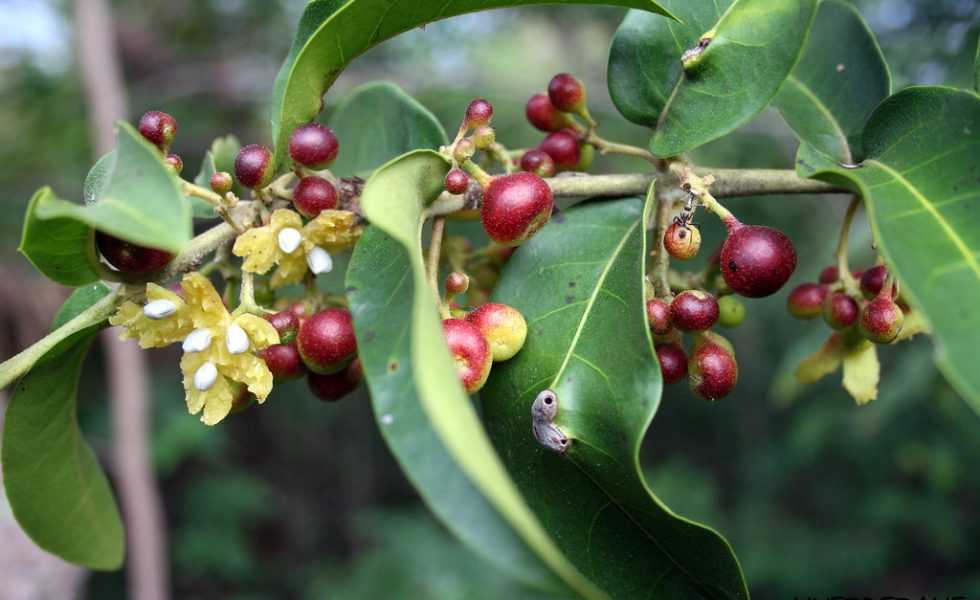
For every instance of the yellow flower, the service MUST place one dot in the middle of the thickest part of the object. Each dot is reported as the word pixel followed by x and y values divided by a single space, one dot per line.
pixel 161 321
pixel 296 248
pixel 221 351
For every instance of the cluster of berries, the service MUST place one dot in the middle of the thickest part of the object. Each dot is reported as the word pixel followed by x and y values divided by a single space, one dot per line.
pixel 563 149
pixel 320 345
pixel 754 261
pixel 868 299
pixel 478 338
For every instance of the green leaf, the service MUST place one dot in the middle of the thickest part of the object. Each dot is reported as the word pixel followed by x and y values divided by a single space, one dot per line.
pixel 132 195
pixel 580 285
pixel 61 248
pixel 332 33
pixel 919 184
pixel 753 46
pixel 840 79
pixel 221 157
pixel 379 122
pixel 423 412
pixel 976 69
pixel 57 491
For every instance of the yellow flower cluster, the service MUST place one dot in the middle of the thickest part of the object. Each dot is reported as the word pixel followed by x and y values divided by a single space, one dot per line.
pixel 295 247
pixel 219 349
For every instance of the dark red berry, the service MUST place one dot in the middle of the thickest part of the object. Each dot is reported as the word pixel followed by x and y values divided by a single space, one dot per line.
pixel 457 283
pixel 253 166
pixel 756 261
pixel 127 257
pixel 326 341
pixel 314 195
pixel 221 182
pixel 478 113
pixel 881 320
pixel 470 351
pixel 175 162
pixel 457 182
pixel 673 362
pixel 538 162
pixel 828 275
pixel 682 240
pixel 873 279
pixel 840 311
pixel 658 316
pixel 563 149
pixel 806 300
pixel 694 310
pixel 712 372
pixel 515 207
pixel 284 361
pixel 314 146
pixel 543 115
pixel 334 386
pixel 287 325
pixel 566 92
pixel 159 128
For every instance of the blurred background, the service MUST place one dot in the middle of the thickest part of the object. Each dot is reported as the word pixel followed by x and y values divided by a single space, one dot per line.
pixel 300 499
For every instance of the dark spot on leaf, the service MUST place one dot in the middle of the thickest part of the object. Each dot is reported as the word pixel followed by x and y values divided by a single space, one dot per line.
pixel 569 299
pixel 393 366
pixel 558 219
pixel 351 289
pixel 568 379
pixel 572 284
pixel 732 265
pixel 369 336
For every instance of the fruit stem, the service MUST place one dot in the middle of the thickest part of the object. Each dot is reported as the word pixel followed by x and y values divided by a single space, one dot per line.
pixel 661 260
pixel 499 153
pixel 605 146
pixel 481 176
pixel 698 187
pixel 21 363
pixel 435 248
pixel 205 194
pixel 246 296
pixel 886 289
pixel 843 269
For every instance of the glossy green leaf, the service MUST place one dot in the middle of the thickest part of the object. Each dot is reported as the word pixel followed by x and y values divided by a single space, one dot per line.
pixel 753 46
pixel 332 33
pixel 131 195
pixel 422 409
pixel 61 248
pixel 840 79
pixel 919 184
pixel 976 69
pixel 579 283
pixel 57 491
pixel 379 122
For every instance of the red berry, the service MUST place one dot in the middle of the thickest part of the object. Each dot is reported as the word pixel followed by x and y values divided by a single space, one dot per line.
pixel 873 279
pixel 478 113
pixel 543 115
pixel 456 182
pixel 840 311
pixel 326 341
pixel 658 316
pixel 132 259
pixel 286 324
pixel 457 283
pixel 314 195
pixel 284 361
pixel 515 207
pixel 470 351
pixel 538 162
pixel 563 149
pixel 694 310
pixel 503 327
pixel 682 240
pixel 828 275
pixel 881 320
pixel 159 128
pixel 712 372
pixel 334 386
pixel 673 362
pixel 221 182
pixel 253 166
pixel 314 146
pixel 806 300
pixel 756 261
pixel 175 162
pixel 566 92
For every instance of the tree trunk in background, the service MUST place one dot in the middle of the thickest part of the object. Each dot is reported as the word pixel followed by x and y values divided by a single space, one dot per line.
pixel 128 373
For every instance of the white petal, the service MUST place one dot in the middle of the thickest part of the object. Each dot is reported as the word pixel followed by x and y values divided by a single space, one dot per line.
pixel 159 309
pixel 289 239
pixel 197 340
pixel 205 377
pixel 319 261
pixel 236 339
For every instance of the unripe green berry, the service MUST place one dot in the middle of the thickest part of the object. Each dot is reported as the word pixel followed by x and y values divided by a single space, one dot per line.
pixel 483 137
pixel 221 182
pixel 175 163
pixel 731 312
pixel 464 150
